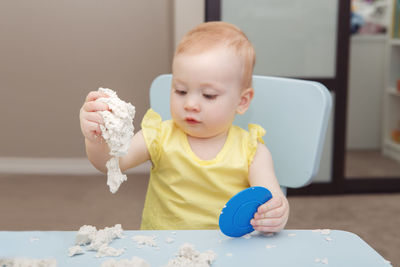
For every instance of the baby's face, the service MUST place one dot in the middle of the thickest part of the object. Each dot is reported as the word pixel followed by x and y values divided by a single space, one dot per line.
pixel 205 91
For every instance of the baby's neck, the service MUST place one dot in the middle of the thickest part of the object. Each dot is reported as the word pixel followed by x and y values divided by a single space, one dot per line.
pixel 207 148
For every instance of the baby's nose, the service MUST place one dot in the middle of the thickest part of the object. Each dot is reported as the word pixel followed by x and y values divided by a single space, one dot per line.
pixel 192 104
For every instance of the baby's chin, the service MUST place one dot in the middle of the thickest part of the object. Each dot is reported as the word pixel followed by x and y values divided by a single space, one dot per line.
pixel 200 135
pixel 192 132
pixel 197 131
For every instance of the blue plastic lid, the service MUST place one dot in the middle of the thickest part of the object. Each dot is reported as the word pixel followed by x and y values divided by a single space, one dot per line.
pixel 235 217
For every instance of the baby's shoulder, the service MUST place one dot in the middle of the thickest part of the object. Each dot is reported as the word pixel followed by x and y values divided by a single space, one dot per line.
pixel 251 136
pixel 253 129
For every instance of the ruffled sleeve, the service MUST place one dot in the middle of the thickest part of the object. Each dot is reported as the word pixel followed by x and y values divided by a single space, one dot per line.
pixel 151 129
pixel 256 132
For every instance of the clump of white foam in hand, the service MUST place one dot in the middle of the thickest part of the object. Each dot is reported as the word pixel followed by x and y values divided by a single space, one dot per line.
pixel 21 262
pixel 117 131
pixel 189 257
pixel 97 240
pixel 134 262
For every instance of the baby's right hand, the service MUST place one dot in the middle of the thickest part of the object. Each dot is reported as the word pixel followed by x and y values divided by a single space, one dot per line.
pixel 90 119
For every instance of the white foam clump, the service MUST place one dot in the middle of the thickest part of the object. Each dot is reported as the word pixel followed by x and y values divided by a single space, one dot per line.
pixel 85 235
pixel 145 240
pixel 134 262
pixel 117 131
pixel 188 256
pixel 22 262
pixel 97 240
pixel 106 250
pixel 75 250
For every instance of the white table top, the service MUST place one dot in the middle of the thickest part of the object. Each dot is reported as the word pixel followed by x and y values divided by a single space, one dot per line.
pixel 288 248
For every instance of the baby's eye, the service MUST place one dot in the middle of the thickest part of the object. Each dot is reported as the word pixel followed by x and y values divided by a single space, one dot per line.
pixel 209 96
pixel 180 92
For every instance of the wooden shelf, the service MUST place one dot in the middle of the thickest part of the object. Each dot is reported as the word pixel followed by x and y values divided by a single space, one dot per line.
pixel 395 41
pixel 393 91
pixel 391 104
pixel 392 150
pixel 369 38
pixel 390 143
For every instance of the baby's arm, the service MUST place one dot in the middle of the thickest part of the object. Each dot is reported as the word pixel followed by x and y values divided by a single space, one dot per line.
pixel 271 216
pixel 96 148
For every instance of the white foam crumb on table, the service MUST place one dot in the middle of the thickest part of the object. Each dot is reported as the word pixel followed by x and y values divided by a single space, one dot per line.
pixel 169 240
pixel 145 240
pixel 75 250
pixel 174 233
pixel 292 234
pixel 322 260
pixel 188 256
pixel 268 234
pixel 322 231
pixel 33 239
pixel 270 246
pixel 97 240
pixel 387 262
pixel 229 254
pixel 24 262
pixel 247 236
pixel 326 231
pixel 117 131
pixel 134 262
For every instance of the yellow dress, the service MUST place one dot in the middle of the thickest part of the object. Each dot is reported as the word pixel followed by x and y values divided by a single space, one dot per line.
pixel 184 191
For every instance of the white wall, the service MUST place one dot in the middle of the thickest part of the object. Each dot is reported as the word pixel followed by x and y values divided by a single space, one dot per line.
pixel 365 92
pixel 187 14
pixel 53 53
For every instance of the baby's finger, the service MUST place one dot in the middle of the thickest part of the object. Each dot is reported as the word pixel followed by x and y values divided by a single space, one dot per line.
pixel 270 222
pixel 94 117
pixel 92 131
pixel 93 128
pixel 274 213
pixel 273 203
pixel 93 106
pixel 92 96
pixel 268 229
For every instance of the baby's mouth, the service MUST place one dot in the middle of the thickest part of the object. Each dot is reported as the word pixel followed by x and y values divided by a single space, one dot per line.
pixel 191 120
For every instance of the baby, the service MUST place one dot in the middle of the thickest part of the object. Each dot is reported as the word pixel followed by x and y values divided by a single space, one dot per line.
pixel 199 159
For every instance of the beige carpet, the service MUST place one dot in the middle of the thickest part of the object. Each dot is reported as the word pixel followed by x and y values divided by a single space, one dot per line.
pixel 370 163
pixel 68 202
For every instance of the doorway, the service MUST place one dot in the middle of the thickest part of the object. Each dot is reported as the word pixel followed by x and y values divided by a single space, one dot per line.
pixel 334 74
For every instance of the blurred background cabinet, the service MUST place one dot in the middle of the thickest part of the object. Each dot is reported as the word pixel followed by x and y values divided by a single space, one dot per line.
pixel 391 121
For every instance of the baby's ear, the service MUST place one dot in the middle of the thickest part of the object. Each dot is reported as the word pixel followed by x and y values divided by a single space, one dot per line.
pixel 245 98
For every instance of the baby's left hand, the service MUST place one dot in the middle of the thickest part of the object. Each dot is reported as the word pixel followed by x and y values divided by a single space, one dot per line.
pixel 271 216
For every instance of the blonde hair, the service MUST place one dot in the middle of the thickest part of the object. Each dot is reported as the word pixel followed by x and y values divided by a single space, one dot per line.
pixel 209 35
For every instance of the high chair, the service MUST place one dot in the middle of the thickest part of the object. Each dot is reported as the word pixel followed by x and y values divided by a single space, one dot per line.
pixel 293 112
